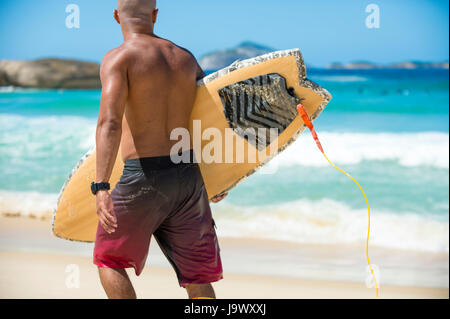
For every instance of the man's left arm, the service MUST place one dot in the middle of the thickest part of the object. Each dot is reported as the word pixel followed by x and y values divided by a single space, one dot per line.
pixel 113 74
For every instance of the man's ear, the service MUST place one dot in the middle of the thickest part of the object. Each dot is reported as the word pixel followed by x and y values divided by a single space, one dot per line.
pixel 155 15
pixel 116 16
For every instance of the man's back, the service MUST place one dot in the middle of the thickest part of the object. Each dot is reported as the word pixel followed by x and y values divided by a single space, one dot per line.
pixel 161 91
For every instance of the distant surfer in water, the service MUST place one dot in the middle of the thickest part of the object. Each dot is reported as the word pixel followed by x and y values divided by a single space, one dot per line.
pixel 148 89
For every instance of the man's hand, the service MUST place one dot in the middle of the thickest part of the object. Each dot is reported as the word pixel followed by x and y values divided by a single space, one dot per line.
pixel 105 211
pixel 219 198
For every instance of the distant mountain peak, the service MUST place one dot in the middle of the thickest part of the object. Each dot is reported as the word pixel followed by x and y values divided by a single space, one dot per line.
pixel 222 58
pixel 253 45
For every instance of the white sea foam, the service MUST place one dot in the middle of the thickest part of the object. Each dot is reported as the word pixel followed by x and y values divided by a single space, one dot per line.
pixel 306 221
pixel 27 142
pixel 16 89
pixel 27 204
pixel 38 136
pixel 6 89
pixel 328 221
pixel 42 136
pixel 409 149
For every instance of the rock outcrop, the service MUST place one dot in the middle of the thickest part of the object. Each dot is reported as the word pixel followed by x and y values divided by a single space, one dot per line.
pixel 50 73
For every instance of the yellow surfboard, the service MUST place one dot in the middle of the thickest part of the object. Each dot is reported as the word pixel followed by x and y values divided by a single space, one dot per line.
pixel 243 116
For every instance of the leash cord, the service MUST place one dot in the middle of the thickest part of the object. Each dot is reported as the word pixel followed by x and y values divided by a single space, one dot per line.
pixel 309 124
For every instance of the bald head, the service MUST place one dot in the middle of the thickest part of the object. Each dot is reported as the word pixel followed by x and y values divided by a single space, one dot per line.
pixel 136 8
pixel 136 12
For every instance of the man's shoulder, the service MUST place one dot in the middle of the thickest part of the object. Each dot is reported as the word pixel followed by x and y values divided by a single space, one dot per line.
pixel 186 51
pixel 179 48
pixel 117 57
pixel 191 58
pixel 118 54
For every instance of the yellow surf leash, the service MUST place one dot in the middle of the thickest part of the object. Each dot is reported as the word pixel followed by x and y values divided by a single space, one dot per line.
pixel 301 110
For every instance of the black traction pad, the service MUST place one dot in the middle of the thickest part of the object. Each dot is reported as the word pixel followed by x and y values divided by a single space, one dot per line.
pixel 262 102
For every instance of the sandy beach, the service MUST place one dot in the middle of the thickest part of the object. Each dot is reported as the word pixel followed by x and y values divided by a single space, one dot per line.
pixel 35 264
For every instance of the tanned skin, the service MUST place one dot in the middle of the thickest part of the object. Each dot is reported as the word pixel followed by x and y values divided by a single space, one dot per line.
pixel 148 89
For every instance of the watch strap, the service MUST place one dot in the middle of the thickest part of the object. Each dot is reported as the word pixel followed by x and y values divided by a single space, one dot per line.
pixel 95 187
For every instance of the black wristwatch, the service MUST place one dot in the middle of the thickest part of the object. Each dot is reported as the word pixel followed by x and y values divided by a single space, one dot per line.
pixel 95 187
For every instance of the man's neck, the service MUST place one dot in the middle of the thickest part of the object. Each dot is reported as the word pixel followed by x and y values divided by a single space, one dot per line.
pixel 133 30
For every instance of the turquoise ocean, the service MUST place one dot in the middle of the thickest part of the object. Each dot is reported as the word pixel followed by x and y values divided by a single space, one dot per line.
pixel 388 128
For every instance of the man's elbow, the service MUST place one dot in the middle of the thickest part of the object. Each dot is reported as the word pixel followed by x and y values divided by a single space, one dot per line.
pixel 110 126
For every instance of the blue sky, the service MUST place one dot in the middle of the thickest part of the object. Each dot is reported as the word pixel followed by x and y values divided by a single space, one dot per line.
pixel 325 30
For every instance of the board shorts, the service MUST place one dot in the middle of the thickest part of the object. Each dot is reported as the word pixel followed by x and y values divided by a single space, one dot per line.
pixel 155 196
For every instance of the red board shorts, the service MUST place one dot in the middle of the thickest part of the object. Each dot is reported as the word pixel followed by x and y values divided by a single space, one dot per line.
pixel 169 201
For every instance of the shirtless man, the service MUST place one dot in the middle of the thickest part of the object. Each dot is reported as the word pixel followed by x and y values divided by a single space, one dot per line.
pixel 148 89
